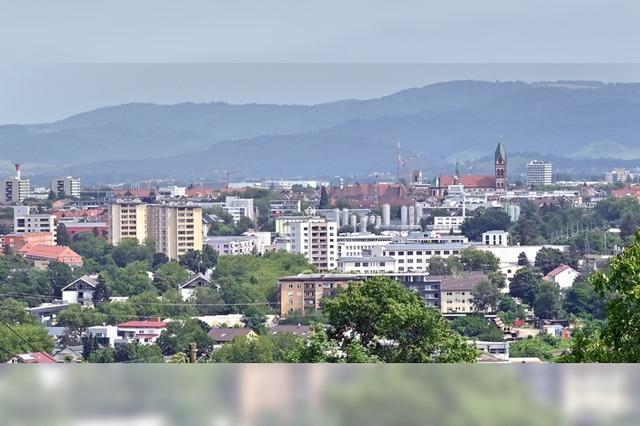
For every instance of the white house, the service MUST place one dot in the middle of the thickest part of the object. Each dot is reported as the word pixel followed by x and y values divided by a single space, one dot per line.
pixel 80 291
pixel 143 332
pixel 495 238
pixel 105 333
pixel 563 275
pixel 188 288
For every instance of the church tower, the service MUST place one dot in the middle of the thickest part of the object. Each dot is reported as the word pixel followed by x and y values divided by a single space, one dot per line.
pixel 501 167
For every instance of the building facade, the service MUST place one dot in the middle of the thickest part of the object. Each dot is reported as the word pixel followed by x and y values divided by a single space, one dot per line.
pixel 175 228
pixel 127 219
pixel 357 244
pixel 15 189
pixel 25 222
pixel 315 238
pixel 539 173
pixel 66 186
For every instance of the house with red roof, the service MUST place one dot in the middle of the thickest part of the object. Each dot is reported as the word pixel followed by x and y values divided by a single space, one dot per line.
pixel 42 255
pixel 143 332
pixel 33 358
pixel 563 275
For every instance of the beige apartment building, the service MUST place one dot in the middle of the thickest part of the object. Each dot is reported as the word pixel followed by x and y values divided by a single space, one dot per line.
pixel 175 228
pixel 127 219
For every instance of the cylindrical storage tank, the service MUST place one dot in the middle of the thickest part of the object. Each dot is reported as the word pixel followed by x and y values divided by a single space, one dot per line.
pixel 412 215
pixel 372 220
pixel 336 213
pixel 354 222
pixel 364 221
pixel 345 217
pixel 378 221
pixel 403 215
pixel 386 215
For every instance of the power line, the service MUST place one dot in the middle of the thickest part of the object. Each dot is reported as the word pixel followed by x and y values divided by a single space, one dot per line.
pixel 19 335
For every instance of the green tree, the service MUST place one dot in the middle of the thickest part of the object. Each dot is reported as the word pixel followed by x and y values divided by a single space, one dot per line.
pixel 478 260
pixel 524 284
pixel 129 250
pixel 477 328
pixel 619 340
pixel 546 300
pixel 485 296
pixel 523 260
pixel 485 220
pixel 547 259
pixel 243 225
pixel 437 266
pixel 15 312
pixel 23 338
pixel 177 336
pixel 254 349
pixel 102 356
pixel 60 274
pixel 169 276
pixel 78 318
pixel 62 235
pixel 380 310
pixel 200 260
pixel 207 301
pixel 117 312
pixel 324 199
pixel 582 300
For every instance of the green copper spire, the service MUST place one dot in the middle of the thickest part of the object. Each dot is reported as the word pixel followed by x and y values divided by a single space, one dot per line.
pixel 500 150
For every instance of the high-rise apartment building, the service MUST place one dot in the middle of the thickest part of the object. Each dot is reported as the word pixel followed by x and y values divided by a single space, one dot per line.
pixel 539 173
pixel 15 189
pixel 66 186
pixel 175 228
pixel 127 219
pixel 317 239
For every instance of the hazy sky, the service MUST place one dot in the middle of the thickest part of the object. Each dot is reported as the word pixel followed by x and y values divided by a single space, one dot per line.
pixel 62 57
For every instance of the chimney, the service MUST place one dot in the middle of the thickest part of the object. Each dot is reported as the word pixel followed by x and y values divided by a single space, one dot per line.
pixel 18 171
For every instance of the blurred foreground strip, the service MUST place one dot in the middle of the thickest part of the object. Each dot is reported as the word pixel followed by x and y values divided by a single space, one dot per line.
pixel 319 395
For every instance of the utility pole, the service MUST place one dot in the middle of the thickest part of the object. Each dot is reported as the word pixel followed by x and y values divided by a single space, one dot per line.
pixel 193 352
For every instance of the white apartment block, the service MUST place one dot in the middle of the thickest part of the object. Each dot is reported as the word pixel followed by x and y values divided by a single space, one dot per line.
pixel 447 223
pixel 24 222
pixel 15 190
pixel 539 173
pixel 416 257
pixel 284 207
pixel 233 245
pixel 358 244
pixel 316 239
pixel 367 265
pixel 495 238
pixel 239 207
pixel 66 186
pixel 284 223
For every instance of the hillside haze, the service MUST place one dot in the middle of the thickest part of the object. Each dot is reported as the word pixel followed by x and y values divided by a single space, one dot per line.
pixel 440 123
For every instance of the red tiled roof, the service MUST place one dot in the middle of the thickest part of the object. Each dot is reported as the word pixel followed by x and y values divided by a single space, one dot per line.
pixel 142 324
pixel 470 181
pixel 36 358
pixel 560 269
pixel 56 253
